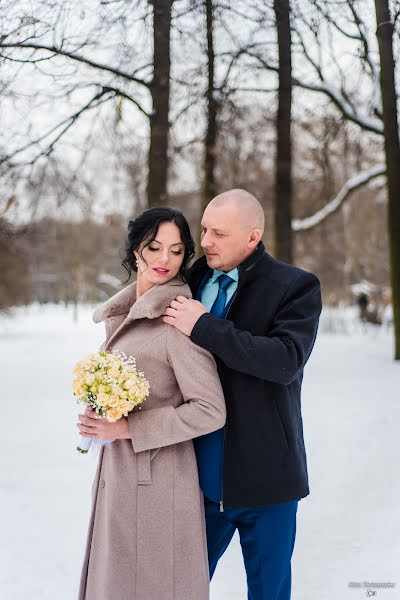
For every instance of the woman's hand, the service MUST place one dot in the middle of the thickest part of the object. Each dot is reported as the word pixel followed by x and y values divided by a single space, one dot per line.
pixel 95 427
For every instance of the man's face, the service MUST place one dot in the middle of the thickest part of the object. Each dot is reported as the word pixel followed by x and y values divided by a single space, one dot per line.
pixel 225 238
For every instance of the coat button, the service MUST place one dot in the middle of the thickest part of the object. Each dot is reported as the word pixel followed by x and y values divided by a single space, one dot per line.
pixel 102 483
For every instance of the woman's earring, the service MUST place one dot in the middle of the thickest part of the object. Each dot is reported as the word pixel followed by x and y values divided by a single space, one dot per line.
pixel 137 263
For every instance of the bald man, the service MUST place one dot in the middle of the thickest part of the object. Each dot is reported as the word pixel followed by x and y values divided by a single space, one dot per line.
pixel 259 318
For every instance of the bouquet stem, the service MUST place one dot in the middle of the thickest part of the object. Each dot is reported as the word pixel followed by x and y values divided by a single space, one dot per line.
pixel 86 443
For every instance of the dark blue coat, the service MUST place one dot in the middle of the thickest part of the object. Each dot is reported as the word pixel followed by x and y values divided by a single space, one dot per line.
pixel 261 349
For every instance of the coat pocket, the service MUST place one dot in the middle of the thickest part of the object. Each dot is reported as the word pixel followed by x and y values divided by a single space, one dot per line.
pixel 144 468
pixel 283 428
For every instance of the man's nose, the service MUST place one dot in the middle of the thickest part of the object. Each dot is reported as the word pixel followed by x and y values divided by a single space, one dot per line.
pixel 205 241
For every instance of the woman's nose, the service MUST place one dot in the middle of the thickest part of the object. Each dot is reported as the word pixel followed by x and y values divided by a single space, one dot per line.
pixel 164 258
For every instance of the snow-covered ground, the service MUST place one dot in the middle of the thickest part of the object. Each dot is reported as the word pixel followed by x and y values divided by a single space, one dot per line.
pixel 348 528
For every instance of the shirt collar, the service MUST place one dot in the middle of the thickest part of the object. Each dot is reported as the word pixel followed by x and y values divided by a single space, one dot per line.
pixel 233 274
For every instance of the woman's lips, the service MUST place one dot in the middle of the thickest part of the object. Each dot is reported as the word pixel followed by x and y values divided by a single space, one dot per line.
pixel 161 271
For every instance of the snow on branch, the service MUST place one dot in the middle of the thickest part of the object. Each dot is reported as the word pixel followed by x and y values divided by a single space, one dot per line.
pixel 333 206
pixel 373 125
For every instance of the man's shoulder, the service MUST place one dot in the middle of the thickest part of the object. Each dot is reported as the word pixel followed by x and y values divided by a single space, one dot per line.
pixel 282 282
pixel 284 273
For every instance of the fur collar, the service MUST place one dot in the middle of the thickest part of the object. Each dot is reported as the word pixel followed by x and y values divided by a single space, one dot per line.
pixel 150 305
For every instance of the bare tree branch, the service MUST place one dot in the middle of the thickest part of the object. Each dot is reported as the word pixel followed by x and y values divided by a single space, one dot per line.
pixel 374 68
pixel 122 94
pixel 347 110
pixel 260 90
pixel 334 205
pixel 326 15
pixel 77 57
pixel 65 124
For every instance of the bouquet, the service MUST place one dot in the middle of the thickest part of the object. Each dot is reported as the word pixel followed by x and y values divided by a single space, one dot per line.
pixel 111 385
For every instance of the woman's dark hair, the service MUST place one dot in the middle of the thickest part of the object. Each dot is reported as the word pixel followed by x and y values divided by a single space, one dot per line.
pixel 143 230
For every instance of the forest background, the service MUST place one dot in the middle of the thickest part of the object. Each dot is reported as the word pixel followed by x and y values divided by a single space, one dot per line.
pixel 110 106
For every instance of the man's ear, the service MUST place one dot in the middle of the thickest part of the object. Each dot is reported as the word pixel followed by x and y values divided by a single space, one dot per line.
pixel 254 238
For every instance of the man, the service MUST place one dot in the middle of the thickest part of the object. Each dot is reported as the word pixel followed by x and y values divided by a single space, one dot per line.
pixel 259 318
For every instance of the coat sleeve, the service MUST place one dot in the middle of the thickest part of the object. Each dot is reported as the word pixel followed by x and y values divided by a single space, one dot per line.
pixel 281 354
pixel 203 409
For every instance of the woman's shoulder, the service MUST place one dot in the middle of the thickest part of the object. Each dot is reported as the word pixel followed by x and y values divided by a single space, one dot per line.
pixel 180 346
pixel 118 304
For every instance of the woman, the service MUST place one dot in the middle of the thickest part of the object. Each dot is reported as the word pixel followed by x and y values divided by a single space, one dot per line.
pixel 146 537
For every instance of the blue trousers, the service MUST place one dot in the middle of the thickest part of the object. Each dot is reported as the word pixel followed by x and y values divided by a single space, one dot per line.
pixel 267 538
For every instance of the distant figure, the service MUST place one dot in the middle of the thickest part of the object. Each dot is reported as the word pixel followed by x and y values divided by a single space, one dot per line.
pixel 363 301
pixel 367 315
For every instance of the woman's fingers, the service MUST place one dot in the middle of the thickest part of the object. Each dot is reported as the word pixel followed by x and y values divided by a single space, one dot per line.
pixel 85 421
pixel 86 425
pixel 87 431
pixel 95 426
pixel 89 420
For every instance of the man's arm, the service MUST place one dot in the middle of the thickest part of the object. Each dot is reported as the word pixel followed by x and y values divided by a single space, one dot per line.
pixel 278 356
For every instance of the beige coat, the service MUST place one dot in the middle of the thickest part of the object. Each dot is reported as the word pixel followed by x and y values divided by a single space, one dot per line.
pixel 146 538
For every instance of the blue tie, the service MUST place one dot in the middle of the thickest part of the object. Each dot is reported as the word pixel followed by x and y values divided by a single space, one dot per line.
pixel 218 308
pixel 210 448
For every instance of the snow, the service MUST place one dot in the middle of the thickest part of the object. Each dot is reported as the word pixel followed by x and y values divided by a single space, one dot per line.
pixel 348 111
pixel 348 528
pixel 333 205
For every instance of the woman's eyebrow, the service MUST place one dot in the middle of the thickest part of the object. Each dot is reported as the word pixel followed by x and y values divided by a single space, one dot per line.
pixel 176 243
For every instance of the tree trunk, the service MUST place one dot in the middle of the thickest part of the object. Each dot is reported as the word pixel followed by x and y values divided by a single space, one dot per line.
pixel 283 165
pixel 384 34
pixel 160 91
pixel 209 188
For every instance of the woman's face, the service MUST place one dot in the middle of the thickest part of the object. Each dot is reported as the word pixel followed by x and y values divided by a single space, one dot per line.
pixel 161 260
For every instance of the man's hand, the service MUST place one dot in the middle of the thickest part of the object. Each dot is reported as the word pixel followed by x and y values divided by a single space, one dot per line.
pixel 95 427
pixel 183 313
